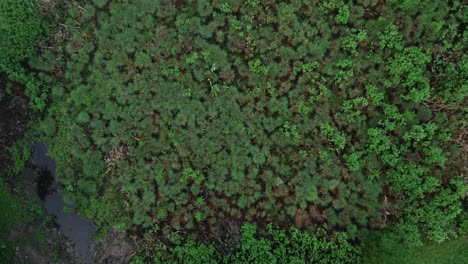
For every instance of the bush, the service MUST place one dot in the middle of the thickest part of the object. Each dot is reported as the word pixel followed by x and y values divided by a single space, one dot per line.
pixel 19 154
pixel 274 246
pixel 19 28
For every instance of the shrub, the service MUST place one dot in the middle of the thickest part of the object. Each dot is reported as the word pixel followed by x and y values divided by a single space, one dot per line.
pixel 275 246
pixel 19 28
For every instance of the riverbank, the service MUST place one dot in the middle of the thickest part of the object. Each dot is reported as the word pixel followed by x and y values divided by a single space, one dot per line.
pixel 27 233
pixel 38 226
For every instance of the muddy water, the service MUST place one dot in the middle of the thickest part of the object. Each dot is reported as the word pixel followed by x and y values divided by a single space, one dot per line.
pixel 78 229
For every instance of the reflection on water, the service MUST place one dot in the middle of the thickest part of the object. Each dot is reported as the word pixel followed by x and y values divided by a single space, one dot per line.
pixel 78 229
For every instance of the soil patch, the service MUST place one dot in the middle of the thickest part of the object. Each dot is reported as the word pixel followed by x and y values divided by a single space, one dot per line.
pixel 116 248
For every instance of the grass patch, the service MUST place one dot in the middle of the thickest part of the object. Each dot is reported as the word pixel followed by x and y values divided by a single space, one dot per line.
pixel 11 210
pixel 16 210
pixel 449 252
pixel 452 251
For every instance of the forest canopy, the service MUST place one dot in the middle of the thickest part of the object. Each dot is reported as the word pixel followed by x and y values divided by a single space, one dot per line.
pixel 336 118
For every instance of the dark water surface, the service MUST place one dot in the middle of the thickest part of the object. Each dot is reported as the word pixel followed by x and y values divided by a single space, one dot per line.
pixel 78 229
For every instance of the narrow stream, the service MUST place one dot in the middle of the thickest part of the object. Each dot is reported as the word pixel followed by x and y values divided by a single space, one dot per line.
pixel 78 229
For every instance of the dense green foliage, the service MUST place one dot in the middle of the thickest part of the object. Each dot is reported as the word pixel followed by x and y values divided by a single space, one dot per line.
pixel 20 29
pixel 274 246
pixel 181 115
